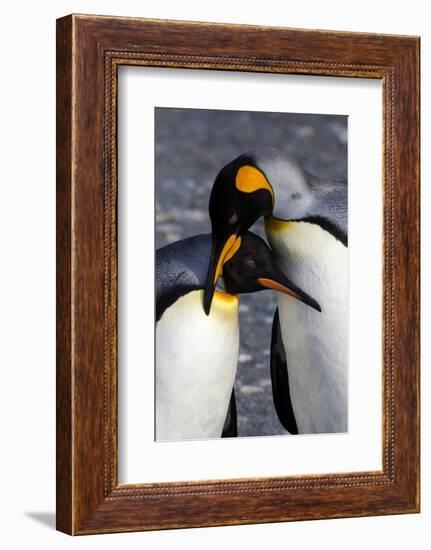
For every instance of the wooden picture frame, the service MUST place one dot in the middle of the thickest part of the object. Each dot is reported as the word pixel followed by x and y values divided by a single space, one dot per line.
pixel 89 51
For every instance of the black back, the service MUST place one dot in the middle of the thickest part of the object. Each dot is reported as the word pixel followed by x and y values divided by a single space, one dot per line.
pixel 181 267
pixel 329 209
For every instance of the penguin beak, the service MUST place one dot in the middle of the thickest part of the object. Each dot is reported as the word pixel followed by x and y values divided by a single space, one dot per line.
pixel 221 252
pixel 279 282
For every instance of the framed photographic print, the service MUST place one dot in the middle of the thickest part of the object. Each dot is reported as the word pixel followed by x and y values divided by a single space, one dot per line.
pixel 237 274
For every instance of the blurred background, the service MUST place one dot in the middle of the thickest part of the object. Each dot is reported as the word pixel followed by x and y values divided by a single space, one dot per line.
pixel 192 145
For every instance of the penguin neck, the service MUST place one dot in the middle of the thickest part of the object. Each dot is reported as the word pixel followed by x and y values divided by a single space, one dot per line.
pixel 221 294
pixel 311 257
pixel 302 244
pixel 223 298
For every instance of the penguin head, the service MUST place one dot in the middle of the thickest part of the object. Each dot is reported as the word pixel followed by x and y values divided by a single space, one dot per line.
pixel 241 194
pixel 253 268
pixel 262 182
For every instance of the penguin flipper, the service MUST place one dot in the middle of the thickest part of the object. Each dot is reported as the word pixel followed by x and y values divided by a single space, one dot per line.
pixel 280 380
pixel 230 424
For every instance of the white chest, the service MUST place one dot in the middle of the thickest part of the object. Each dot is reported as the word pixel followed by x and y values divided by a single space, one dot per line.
pixel 316 343
pixel 196 361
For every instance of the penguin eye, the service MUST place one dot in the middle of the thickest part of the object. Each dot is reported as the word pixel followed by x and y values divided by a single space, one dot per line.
pixel 233 219
pixel 249 262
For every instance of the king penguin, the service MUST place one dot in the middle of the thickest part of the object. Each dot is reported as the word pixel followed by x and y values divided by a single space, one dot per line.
pixel 196 354
pixel 306 226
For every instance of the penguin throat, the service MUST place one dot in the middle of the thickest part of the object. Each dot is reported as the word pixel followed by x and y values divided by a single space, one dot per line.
pixel 220 287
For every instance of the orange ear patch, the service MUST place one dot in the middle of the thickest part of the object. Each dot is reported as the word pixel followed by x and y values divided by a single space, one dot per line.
pixel 249 179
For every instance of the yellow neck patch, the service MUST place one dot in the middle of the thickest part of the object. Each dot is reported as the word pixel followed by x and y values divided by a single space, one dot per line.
pixel 222 298
pixel 249 179
pixel 274 225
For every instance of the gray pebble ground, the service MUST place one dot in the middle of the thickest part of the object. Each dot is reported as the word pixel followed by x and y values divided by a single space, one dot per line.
pixel 191 147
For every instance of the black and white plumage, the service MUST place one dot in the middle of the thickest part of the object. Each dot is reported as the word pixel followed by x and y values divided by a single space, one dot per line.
pixel 307 230
pixel 316 346
pixel 181 267
pixel 197 354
